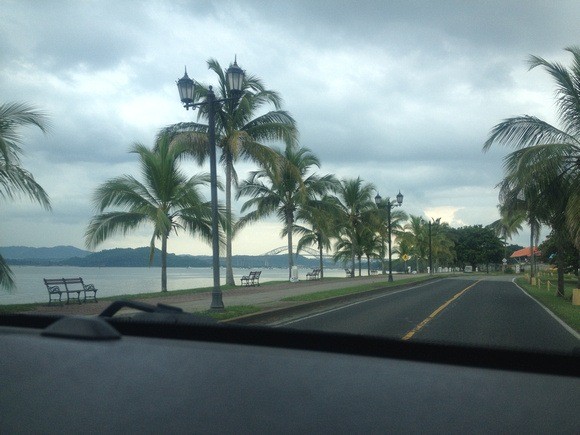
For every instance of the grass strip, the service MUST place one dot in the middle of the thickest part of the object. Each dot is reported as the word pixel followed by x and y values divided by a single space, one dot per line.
pixel 560 306
pixel 231 312
pixel 327 294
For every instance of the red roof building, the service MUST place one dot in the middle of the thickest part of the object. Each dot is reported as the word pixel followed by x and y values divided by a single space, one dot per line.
pixel 525 253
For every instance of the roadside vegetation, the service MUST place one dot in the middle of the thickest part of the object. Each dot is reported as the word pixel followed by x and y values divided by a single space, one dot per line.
pixel 541 184
pixel 15 180
pixel 549 296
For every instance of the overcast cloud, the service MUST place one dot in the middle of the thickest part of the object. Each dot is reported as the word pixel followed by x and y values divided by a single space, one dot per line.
pixel 401 93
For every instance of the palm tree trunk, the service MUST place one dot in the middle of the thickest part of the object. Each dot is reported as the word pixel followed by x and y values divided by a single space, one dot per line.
pixel 561 265
pixel 164 263
pixel 289 224
pixel 578 270
pixel 320 262
pixel 531 252
pixel 229 236
pixel 383 264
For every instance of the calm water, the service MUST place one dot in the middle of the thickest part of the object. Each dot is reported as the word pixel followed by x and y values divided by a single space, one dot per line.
pixel 112 281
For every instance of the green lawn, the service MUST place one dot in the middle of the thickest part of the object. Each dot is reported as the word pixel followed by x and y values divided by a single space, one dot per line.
pixel 561 307
pixel 231 312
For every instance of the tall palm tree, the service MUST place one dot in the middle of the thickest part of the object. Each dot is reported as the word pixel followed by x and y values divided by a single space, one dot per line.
pixel 508 225
pixel 355 203
pixel 317 215
pixel 240 134
pixel 16 181
pixel 166 198
pixel 545 153
pixel 371 245
pixel 415 235
pixel 282 187
pixel 523 203
pixel 442 246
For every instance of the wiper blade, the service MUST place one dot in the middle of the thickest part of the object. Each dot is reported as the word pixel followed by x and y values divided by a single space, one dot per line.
pixel 160 313
pixel 117 306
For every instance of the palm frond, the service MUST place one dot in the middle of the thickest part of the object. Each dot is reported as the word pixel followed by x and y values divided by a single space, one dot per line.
pixel 6 276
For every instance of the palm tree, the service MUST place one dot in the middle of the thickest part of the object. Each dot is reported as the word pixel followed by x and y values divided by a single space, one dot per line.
pixel 442 246
pixel 166 199
pixel 239 133
pixel 415 235
pixel 318 215
pixel 355 203
pixel 508 225
pixel 403 249
pixel 14 179
pixel 519 204
pixel 282 187
pixel 545 153
pixel 371 245
pixel 397 217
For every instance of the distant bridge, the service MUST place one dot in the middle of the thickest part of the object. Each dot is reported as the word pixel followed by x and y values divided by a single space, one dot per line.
pixel 310 251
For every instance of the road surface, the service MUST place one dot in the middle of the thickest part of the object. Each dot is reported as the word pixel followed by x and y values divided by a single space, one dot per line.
pixel 468 311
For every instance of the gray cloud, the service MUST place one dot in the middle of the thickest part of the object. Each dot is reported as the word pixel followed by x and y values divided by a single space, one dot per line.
pixel 401 93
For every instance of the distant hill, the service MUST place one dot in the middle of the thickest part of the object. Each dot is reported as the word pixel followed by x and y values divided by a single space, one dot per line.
pixel 54 253
pixel 138 257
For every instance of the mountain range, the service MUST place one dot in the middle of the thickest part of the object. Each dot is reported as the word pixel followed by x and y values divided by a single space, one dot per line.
pixel 137 257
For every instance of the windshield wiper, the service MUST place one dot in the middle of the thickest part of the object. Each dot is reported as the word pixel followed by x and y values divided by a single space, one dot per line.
pixel 160 313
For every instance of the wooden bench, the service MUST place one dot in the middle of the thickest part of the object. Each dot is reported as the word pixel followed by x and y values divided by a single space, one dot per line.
pixel 69 286
pixel 315 274
pixel 374 271
pixel 349 273
pixel 252 279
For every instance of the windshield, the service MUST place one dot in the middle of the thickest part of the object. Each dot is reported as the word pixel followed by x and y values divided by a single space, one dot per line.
pixel 397 169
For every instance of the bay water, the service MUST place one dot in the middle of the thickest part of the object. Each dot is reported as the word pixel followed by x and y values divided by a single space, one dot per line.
pixel 114 281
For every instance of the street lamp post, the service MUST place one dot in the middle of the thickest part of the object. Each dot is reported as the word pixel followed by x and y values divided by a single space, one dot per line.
pixel 186 87
pixel 430 250
pixel 388 204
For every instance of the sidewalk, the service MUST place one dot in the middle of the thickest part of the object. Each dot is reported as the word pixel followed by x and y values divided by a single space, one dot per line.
pixel 266 296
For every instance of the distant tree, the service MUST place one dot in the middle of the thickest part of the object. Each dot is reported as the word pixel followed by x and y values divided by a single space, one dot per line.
pixel 476 245
pixel 523 204
pixel 14 179
pixel 571 256
pixel 166 199
pixel 281 188
pixel 318 229
pixel 415 236
pixel 398 217
pixel 355 204
pixel 442 246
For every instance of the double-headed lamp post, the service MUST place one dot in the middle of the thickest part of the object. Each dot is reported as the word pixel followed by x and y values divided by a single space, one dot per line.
pixel 388 205
pixel 186 87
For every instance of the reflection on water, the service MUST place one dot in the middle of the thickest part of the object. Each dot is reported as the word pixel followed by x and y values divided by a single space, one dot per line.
pixel 112 281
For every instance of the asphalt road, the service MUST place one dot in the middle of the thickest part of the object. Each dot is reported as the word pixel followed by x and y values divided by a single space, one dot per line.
pixel 483 313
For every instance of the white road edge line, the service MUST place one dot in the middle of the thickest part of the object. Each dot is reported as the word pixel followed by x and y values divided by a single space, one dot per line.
pixel 560 321
pixel 300 319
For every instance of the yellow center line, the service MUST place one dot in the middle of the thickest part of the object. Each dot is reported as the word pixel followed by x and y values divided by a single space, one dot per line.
pixel 431 316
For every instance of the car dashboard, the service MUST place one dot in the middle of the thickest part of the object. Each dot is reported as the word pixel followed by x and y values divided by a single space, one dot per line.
pixel 172 373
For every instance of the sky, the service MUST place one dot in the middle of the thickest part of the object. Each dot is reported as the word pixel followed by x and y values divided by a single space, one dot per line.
pixel 400 93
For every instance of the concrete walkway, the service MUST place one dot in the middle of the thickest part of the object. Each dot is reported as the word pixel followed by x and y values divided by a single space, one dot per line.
pixel 266 296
